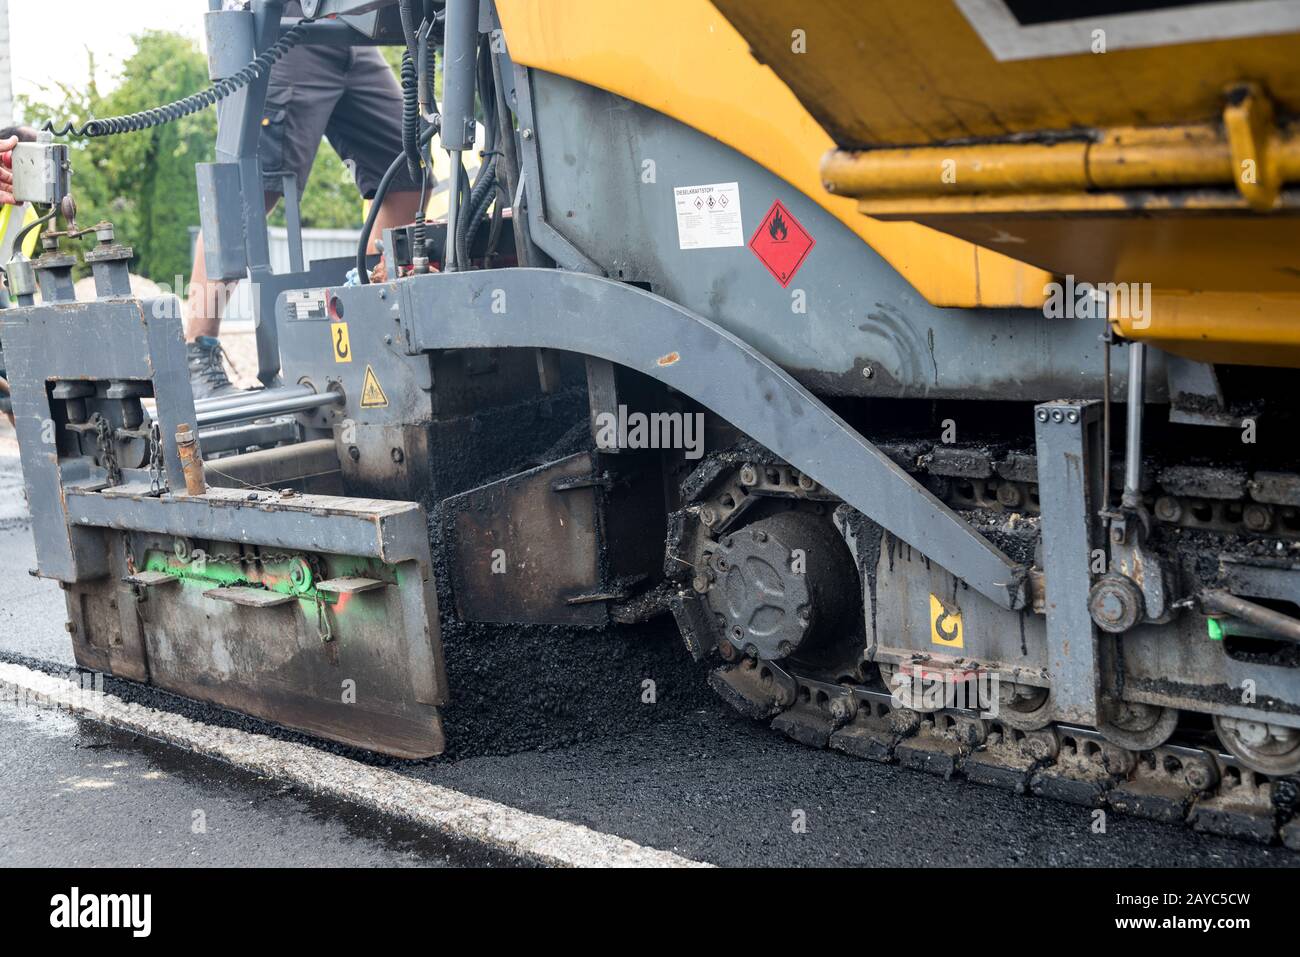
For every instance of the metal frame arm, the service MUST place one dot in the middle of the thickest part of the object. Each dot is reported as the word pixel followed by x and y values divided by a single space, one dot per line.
pixel 594 316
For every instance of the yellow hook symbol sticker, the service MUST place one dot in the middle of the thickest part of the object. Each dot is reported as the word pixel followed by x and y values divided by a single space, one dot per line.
pixel 339 340
pixel 945 624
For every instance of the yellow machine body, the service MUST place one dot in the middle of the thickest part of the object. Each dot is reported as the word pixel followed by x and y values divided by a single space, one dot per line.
pixel 1170 162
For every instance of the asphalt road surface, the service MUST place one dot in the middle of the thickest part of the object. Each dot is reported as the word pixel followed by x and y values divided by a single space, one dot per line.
pixel 78 794
pixel 684 775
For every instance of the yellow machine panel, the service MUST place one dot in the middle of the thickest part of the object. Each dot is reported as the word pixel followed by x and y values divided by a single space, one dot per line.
pixel 885 73
pixel 1155 147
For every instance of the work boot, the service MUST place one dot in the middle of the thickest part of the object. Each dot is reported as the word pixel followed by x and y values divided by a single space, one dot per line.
pixel 207 368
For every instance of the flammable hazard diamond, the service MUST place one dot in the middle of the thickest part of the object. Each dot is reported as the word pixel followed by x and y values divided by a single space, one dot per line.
pixel 781 243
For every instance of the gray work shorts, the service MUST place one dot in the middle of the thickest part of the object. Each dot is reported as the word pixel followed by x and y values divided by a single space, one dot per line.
pixel 349 96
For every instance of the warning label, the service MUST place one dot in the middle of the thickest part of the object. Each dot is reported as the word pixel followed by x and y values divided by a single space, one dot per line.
pixel 945 623
pixel 372 394
pixel 340 342
pixel 708 217
pixel 781 243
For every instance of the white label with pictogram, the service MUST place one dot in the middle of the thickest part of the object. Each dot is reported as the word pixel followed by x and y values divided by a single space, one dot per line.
pixel 708 217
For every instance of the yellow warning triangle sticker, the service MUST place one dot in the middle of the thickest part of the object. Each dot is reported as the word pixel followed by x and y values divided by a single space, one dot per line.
pixel 372 394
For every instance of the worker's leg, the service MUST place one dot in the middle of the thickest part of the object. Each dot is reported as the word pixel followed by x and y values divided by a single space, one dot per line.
pixel 301 94
pixel 206 301
pixel 199 320
pixel 397 209
pixel 366 131
pixel 203 352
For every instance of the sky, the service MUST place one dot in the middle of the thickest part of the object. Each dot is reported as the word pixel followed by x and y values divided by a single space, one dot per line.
pixel 105 26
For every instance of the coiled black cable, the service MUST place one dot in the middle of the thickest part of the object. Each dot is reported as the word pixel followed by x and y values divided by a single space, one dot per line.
pixel 411 115
pixel 161 115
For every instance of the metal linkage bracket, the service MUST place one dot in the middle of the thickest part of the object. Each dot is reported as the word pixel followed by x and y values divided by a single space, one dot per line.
pixel 126 343
pixel 594 316
pixel 1069 488
pixel 231 190
pixel 547 238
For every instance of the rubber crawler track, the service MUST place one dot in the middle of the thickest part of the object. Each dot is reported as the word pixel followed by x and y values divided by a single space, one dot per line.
pixel 1189 780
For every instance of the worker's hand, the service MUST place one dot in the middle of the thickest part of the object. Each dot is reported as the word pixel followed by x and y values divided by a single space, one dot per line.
pixel 6 170
pixel 380 272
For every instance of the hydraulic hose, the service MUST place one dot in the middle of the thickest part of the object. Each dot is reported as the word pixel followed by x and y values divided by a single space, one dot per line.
pixel 427 67
pixel 363 274
pixel 479 200
pixel 468 224
pixel 406 10
pixel 218 91
pixel 498 219
pixel 34 224
pixel 363 243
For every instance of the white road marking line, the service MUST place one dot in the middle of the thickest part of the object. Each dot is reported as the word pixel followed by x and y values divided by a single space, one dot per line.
pixel 451 813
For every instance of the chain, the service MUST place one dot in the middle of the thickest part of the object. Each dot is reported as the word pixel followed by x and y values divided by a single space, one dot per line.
pixel 132 567
pixel 155 459
pixel 323 628
pixel 107 451
pixel 268 558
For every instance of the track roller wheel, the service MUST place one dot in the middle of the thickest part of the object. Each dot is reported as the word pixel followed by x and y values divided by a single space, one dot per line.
pixel 1267 748
pixel 1138 727
pixel 1041 745
pixel 1024 707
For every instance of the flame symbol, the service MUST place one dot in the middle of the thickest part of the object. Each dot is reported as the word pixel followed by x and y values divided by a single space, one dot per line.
pixel 777 228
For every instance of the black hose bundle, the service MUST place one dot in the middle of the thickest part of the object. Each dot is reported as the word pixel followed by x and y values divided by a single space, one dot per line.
pixel 480 198
pixel 161 115
pixel 475 211
pixel 418 67
pixel 497 191
pixel 498 217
